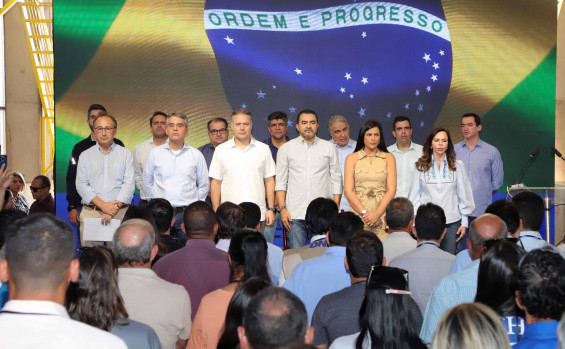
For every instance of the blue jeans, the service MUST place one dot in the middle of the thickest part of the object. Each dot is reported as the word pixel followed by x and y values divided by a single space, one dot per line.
pixel 176 231
pixel 462 244
pixel 297 234
pixel 448 243
pixel 269 231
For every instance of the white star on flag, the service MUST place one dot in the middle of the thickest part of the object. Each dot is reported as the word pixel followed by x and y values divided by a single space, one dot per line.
pixel 274 87
pixel 364 81
pixel 420 107
pixel 436 66
pixel 426 57
pixel 289 123
pixel 261 94
pixel 441 53
pixel 364 34
pixel 351 96
pixel 434 77
pixel 422 123
pixel 407 106
pixel 347 76
pixel 417 93
pixel 298 71
pixel 428 88
pixel 361 112
pixel 229 40
pixel 292 110
pixel 244 106
pixel 342 90
pixel 389 115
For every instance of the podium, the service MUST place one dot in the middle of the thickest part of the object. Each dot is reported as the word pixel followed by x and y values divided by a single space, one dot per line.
pixel 552 197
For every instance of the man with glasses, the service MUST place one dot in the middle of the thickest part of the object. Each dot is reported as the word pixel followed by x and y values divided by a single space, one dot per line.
pixel 104 176
pixel 177 172
pixel 218 133
pixel 73 198
pixel 40 190
pixel 158 128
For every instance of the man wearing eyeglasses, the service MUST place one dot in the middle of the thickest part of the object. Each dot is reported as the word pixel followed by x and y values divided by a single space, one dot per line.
pixel 158 128
pixel 177 172
pixel 104 175
pixel 40 187
pixel 73 198
pixel 218 133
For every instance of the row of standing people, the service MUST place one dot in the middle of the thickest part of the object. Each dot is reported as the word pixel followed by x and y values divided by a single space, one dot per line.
pixel 243 169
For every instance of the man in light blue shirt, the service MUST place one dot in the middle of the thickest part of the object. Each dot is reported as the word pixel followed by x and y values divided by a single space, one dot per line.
pixel 338 127
pixel 483 164
pixel 105 175
pixel 319 276
pixel 406 154
pixel 530 208
pixel 177 172
pixel 461 287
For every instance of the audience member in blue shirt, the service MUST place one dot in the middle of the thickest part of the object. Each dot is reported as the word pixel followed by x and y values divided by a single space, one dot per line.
pixel 530 208
pixel 317 277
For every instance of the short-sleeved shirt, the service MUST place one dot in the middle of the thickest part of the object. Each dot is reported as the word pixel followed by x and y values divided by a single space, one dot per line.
pixel 405 163
pixel 243 172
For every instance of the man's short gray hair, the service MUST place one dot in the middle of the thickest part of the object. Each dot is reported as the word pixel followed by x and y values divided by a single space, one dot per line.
pixel 181 116
pixel 334 119
pixel 140 252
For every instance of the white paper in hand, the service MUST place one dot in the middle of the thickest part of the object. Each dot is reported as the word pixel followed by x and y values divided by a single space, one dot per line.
pixel 94 230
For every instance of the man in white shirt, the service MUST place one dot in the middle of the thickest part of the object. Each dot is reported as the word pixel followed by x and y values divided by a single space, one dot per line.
pixel 105 177
pixel 177 172
pixel 307 168
pixel 39 266
pixel 338 127
pixel 400 220
pixel 158 128
pixel 406 154
pixel 243 169
pixel 164 306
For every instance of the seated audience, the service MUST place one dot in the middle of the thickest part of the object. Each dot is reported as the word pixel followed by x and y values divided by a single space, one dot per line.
pixel 148 298
pixel 428 263
pixel 234 315
pixel 530 208
pixel 199 266
pixel 461 287
pixel 39 266
pixel 319 214
pixel 17 187
pixel 502 208
pixel 472 325
pixel 231 219
pixel 44 203
pixel 95 300
pixel 386 318
pixel 248 258
pixel 337 314
pixel 253 221
pixel 496 281
pixel 400 219
pixel 540 292
pixel 319 276
pixel 163 213
pixel 275 318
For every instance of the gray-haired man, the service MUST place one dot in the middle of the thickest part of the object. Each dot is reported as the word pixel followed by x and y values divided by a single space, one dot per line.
pixel 338 127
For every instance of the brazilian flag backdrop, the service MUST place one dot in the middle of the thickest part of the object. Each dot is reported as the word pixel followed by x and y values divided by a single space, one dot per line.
pixel 430 60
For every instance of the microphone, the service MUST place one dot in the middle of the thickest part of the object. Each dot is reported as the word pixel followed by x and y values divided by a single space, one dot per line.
pixel 530 157
pixel 557 153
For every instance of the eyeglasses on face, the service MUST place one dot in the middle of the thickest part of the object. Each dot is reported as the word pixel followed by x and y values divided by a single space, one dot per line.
pixel 219 131
pixel 35 189
pixel 99 129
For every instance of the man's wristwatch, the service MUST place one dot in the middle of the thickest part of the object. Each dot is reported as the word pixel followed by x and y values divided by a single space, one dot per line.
pixel 363 212
pixel 280 208
pixel 70 208
pixel 272 209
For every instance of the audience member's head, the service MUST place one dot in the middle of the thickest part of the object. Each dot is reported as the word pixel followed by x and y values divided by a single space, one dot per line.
pixel 8 200
pixel 540 285
pixel 363 251
pixel 8 217
pixel 386 311
pixel 496 281
pixel 252 214
pixel 199 221
pixel 40 187
pixel 248 255
pixel 275 318
pixel 507 211
pixel 319 214
pixel 39 258
pixel 139 212
pixel 134 243
pixel 530 208
pixel 343 227
pixel 472 326
pixel 486 227
pixel 430 222
pixel 399 214
pixel 163 213
pixel 95 299
pixel 231 218
pixel 234 316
